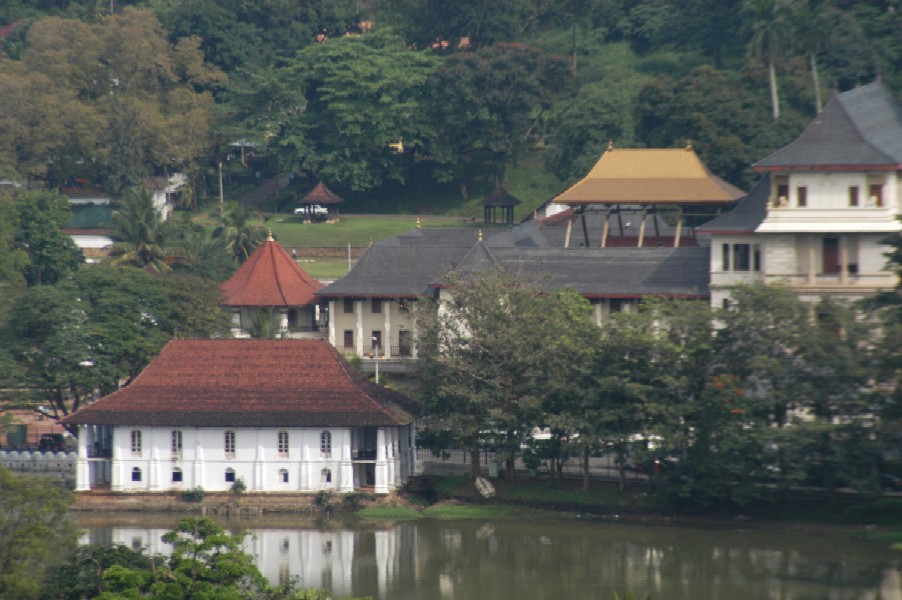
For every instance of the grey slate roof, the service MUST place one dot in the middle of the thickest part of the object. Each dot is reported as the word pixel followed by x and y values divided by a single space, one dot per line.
pixel 403 266
pixel 599 272
pixel 747 215
pixel 858 128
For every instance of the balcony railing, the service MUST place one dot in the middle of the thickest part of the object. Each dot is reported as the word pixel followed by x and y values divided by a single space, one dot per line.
pixel 367 454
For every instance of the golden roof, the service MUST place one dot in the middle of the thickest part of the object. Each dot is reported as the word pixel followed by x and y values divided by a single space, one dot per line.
pixel 650 176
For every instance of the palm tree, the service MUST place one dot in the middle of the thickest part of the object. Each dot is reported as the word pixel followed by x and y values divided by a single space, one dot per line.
pixel 811 28
pixel 768 23
pixel 138 231
pixel 241 236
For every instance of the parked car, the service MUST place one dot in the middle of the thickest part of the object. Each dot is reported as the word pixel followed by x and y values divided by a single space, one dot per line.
pixel 890 483
pixel 312 209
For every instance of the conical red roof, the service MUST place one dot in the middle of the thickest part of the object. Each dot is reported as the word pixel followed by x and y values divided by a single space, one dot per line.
pixel 320 194
pixel 270 277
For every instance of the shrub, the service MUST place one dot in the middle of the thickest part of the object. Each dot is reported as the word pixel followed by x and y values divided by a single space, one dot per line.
pixel 322 498
pixel 238 487
pixel 352 501
pixel 194 495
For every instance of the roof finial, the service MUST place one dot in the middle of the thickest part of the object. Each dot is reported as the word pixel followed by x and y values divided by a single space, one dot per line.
pixel 418 222
pixel 269 237
pixel 610 145
pixel 688 144
pixel 479 235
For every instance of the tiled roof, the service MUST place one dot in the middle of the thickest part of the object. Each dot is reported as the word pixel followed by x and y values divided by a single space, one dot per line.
pixel 500 197
pixel 320 194
pixel 601 272
pixel 746 216
pixel 650 176
pixel 403 266
pixel 249 383
pixel 858 128
pixel 270 277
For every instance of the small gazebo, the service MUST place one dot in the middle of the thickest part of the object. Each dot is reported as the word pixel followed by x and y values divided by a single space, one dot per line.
pixel 323 196
pixel 499 199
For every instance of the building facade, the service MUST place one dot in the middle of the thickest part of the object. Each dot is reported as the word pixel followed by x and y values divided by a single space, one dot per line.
pixel 279 416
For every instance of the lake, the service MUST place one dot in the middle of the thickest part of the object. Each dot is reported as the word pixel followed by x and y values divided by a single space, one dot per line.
pixel 554 559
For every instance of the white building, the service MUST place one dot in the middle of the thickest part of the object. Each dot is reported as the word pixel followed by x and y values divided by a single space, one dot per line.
pixel 278 415
pixel 819 219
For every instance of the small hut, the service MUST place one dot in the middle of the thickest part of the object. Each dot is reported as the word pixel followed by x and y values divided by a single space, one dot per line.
pixel 499 199
pixel 322 196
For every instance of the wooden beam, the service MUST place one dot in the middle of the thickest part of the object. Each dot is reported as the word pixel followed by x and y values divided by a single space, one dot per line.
pixel 607 226
pixel 642 228
pixel 679 232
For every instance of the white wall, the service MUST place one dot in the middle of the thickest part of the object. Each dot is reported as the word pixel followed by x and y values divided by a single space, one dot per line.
pixel 203 461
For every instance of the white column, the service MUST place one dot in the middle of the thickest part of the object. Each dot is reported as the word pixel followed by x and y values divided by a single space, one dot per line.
pixel 153 477
pixel 199 476
pixel 381 464
pixel 346 481
pixel 387 337
pixel 283 320
pixel 358 311
pixel 333 314
pixel 843 259
pixel 305 475
pixel 394 466
pixel 83 468
pixel 116 463
pixel 257 483
pixel 811 261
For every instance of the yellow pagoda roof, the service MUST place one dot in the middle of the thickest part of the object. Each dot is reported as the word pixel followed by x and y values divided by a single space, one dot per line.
pixel 650 176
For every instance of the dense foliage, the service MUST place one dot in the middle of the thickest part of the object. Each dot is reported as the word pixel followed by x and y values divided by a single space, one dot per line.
pixel 369 94
pixel 711 403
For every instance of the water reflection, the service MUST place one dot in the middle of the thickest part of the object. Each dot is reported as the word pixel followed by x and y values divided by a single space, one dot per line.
pixel 545 559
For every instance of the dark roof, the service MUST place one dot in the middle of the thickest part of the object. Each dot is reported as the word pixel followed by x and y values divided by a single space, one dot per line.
pixel 249 383
pixel 403 266
pixel 858 128
pixel 600 272
pixel 270 277
pixel 746 216
pixel 320 194
pixel 500 197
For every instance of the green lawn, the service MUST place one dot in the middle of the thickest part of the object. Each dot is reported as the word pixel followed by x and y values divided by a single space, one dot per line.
pixel 325 268
pixel 356 230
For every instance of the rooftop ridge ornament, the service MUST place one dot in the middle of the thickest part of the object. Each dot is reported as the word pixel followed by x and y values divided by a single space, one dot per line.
pixel 269 237
pixel 479 235
pixel 688 144
pixel 610 145
pixel 418 223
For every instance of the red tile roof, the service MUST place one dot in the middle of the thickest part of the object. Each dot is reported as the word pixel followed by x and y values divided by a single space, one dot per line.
pixel 249 383
pixel 320 194
pixel 270 277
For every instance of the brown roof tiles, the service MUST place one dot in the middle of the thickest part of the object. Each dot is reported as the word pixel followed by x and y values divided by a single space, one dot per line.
pixel 270 277
pixel 249 383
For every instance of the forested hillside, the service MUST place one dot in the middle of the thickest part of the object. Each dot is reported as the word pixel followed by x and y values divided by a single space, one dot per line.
pixel 376 95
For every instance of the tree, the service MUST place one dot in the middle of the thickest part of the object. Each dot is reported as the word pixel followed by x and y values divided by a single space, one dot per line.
pixel 111 101
pixel 768 23
pixel 811 27
pixel 82 575
pixel 13 257
pixel 51 254
pixel 33 524
pixel 138 232
pixel 206 562
pixel 239 234
pixel 489 357
pixel 485 105
pixel 349 99
pixel 102 327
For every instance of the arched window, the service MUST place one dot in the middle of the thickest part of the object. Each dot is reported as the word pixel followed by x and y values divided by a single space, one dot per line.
pixel 326 476
pixel 176 475
pixel 230 444
pixel 176 443
pixel 325 444
pixel 283 443
pixel 136 474
pixel 283 475
pixel 230 475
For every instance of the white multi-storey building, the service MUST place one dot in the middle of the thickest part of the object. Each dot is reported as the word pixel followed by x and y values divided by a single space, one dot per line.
pixel 820 218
